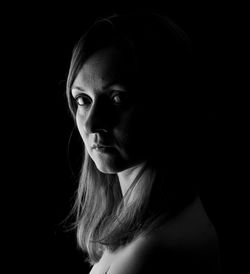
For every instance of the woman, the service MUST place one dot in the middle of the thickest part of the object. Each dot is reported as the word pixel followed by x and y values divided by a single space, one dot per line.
pixel 130 92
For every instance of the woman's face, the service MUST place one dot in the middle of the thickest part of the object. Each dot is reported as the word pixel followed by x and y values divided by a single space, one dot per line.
pixel 110 114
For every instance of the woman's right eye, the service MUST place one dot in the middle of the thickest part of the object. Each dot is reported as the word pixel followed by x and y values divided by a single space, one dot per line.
pixel 82 100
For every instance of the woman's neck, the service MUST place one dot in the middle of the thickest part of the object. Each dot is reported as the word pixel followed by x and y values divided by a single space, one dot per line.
pixel 127 176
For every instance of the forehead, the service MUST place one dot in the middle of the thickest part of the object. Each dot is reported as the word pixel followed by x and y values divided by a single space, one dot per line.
pixel 104 66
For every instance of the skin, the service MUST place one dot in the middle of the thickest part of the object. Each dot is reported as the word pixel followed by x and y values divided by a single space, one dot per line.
pixel 108 112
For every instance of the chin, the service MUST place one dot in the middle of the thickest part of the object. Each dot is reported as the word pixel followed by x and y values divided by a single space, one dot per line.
pixel 106 169
pixel 111 167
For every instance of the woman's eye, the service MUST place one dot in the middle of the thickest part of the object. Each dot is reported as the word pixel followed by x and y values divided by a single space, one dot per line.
pixel 119 99
pixel 82 100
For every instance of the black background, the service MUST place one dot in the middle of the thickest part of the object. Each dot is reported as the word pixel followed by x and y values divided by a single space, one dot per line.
pixel 38 40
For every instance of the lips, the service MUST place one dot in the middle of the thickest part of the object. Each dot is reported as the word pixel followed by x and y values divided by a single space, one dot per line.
pixel 98 146
pixel 102 148
pixel 100 143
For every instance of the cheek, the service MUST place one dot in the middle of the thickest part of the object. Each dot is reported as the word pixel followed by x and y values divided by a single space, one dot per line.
pixel 132 127
pixel 79 124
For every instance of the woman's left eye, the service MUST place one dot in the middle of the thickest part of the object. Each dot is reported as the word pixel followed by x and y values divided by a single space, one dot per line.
pixel 119 99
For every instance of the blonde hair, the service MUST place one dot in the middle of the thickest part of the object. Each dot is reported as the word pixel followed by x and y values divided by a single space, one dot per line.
pixel 104 217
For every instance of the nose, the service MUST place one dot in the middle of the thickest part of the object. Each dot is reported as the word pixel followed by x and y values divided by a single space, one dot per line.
pixel 97 119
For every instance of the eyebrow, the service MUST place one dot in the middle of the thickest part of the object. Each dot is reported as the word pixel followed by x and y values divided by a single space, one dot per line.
pixel 78 88
pixel 114 83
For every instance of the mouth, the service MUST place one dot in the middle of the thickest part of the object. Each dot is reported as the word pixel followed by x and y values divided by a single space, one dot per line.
pixel 101 148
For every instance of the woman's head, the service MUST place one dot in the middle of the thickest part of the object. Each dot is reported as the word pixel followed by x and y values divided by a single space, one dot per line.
pixel 128 88
pixel 107 111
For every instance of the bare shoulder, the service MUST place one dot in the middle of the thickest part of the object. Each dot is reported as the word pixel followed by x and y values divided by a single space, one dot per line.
pixel 187 243
pixel 132 259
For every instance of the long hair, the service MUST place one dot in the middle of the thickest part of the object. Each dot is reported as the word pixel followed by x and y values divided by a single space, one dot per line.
pixel 105 218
